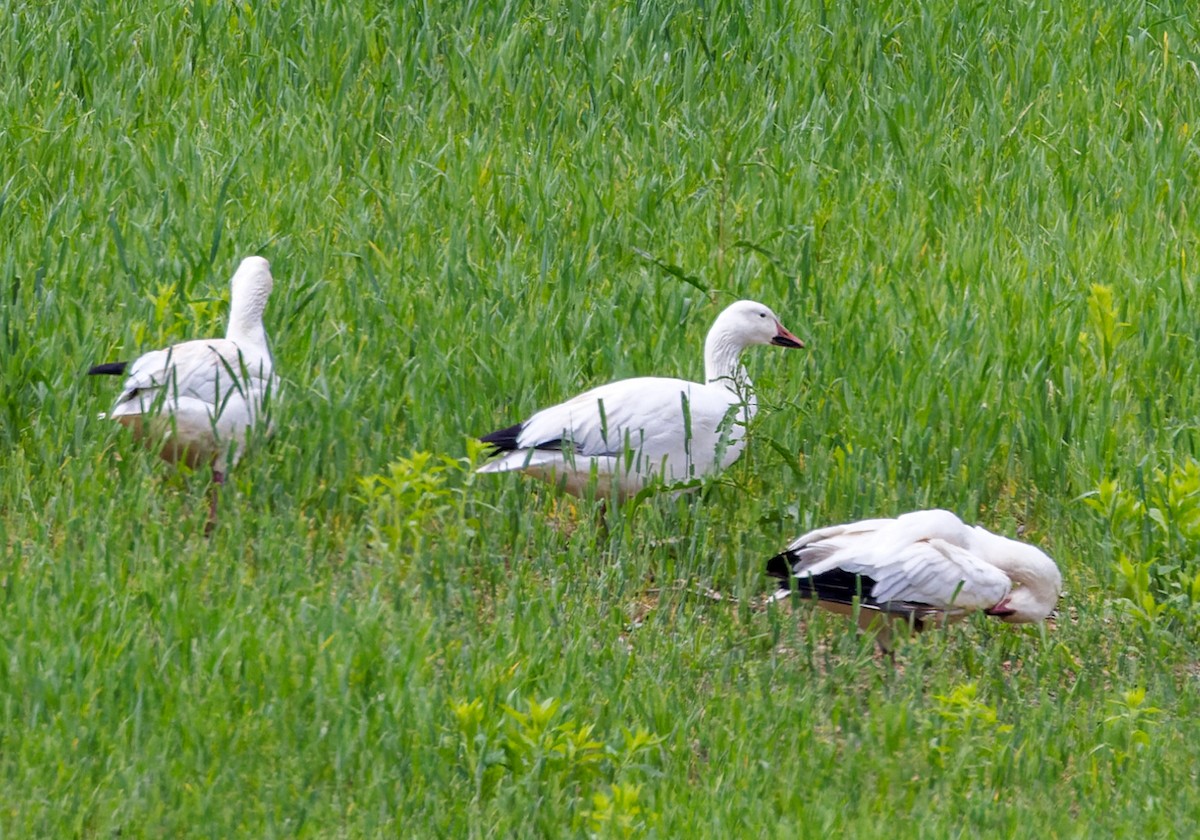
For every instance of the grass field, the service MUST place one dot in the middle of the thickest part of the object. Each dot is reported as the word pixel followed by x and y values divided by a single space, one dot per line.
pixel 977 215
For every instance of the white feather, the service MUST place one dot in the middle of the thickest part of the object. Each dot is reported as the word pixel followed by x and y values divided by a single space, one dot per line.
pixel 197 401
pixel 931 558
pixel 636 431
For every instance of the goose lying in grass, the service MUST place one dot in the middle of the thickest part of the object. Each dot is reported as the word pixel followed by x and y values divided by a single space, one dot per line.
pixel 197 401
pixel 635 431
pixel 920 568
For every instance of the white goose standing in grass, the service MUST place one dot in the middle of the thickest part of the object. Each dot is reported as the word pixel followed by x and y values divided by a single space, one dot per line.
pixel 922 567
pixel 197 401
pixel 648 429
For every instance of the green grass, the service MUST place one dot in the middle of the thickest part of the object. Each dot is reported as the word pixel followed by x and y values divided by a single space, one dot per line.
pixel 978 217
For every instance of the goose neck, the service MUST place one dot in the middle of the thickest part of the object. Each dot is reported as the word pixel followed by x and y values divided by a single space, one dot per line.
pixel 722 361
pixel 246 318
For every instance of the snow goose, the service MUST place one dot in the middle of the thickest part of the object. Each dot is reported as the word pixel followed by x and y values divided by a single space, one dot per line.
pixel 197 401
pixel 922 567
pixel 635 431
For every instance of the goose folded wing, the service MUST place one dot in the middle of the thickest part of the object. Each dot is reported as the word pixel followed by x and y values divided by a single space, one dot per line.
pixel 817 545
pixel 632 414
pixel 933 572
pixel 201 370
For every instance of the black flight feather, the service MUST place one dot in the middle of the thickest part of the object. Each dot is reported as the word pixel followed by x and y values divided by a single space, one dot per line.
pixel 839 586
pixel 836 585
pixel 109 369
pixel 505 440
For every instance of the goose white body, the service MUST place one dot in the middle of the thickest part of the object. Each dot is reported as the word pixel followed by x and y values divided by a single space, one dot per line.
pixel 923 566
pixel 628 434
pixel 197 401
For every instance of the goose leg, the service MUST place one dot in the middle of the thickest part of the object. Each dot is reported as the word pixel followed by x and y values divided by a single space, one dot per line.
pixel 213 490
pixel 602 519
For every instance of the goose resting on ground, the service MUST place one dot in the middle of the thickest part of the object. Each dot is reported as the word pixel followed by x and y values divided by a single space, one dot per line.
pixel 635 431
pixel 923 567
pixel 197 401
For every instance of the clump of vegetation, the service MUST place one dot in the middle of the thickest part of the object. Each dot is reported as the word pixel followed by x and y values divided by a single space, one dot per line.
pixel 1155 532
pixel 537 746
pixel 415 500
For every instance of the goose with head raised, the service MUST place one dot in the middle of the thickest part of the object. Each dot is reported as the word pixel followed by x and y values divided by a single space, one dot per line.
pixel 197 401
pixel 628 434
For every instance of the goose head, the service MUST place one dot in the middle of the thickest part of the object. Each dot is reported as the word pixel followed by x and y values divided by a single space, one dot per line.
pixel 748 322
pixel 1037 584
pixel 740 325
pixel 251 282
